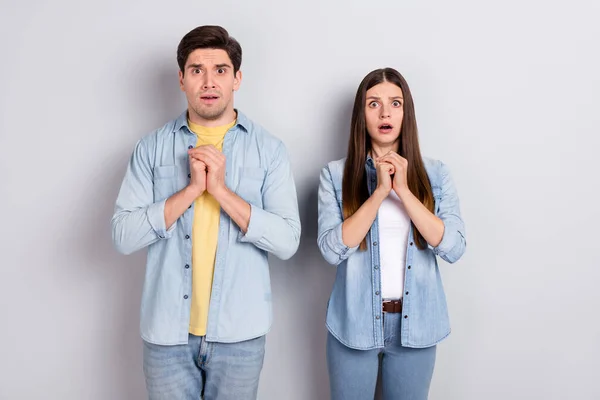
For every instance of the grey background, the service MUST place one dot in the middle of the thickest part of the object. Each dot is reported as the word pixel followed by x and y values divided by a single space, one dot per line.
pixel 506 94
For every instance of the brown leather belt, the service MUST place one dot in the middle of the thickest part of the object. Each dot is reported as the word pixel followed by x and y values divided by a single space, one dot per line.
pixel 392 306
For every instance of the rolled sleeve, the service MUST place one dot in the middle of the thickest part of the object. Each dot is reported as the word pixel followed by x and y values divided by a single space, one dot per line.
pixel 330 221
pixel 453 243
pixel 137 221
pixel 156 217
pixel 256 225
pixel 275 228
pixel 336 244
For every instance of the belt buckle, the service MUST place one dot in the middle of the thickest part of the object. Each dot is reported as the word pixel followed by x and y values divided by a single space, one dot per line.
pixel 396 306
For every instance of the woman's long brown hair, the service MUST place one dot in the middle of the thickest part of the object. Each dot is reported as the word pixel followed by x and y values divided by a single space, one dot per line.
pixel 354 185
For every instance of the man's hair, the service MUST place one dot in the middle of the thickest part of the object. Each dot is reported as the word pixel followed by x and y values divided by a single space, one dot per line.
pixel 209 37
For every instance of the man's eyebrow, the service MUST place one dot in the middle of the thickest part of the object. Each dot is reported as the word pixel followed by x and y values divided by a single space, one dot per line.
pixel 222 65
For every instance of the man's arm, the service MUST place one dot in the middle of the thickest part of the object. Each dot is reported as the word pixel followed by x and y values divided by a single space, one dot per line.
pixel 274 228
pixel 138 221
pixel 177 204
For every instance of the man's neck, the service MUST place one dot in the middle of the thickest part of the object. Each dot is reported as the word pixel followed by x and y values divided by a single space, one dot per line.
pixel 227 117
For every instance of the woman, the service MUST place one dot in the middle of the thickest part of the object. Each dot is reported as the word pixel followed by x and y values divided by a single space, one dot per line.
pixel 385 213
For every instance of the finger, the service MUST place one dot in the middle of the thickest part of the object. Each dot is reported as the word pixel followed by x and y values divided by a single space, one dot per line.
pixel 209 148
pixel 398 164
pixel 218 155
pixel 210 161
pixel 204 155
pixel 401 160
pixel 197 157
pixel 390 159
pixel 195 161
pixel 209 151
pixel 386 167
pixel 388 163
pixel 212 150
pixel 197 152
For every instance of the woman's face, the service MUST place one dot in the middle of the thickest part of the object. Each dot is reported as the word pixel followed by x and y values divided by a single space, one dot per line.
pixel 384 113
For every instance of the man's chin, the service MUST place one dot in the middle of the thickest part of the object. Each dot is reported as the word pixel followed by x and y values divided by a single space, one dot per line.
pixel 210 114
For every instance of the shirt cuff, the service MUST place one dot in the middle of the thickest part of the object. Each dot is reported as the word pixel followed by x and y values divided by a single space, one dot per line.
pixel 156 216
pixel 256 225
pixel 446 243
pixel 337 244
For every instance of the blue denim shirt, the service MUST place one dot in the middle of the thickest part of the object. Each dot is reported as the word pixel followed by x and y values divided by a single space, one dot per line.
pixel 258 170
pixel 354 312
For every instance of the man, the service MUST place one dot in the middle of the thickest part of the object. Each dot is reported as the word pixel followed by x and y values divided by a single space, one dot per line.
pixel 210 194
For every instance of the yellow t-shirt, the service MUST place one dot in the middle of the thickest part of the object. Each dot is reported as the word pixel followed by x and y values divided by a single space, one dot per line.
pixel 205 233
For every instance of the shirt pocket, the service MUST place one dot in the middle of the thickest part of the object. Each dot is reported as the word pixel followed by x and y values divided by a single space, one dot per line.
pixel 164 182
pixel 250 185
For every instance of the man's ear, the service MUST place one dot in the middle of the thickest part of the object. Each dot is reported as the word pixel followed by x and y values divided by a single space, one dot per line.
pixel 181 81
pixel 237 80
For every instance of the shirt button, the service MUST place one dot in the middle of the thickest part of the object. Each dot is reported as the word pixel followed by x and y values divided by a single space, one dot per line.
pixel 187 236
pixel 187 266
pixel 406 316
pixel 190 147
pixel 409 267
pixel 377 317
pixel 377 293
pixel 377 267
pixel 372 179
pixel 411 243
pixel 374 243
pixel 407 293
pixel 185 297
pixel 190 175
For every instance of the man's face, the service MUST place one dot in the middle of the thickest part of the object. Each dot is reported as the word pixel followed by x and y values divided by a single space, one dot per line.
pixel 209 82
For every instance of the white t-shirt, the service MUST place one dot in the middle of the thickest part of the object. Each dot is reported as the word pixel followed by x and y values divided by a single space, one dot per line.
pixel 394 225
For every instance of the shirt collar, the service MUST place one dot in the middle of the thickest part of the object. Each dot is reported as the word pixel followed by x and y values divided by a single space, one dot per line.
pixel 242 121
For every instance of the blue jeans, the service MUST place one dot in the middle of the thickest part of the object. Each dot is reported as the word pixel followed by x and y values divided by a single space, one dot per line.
pixel 217 371
pixel 405 372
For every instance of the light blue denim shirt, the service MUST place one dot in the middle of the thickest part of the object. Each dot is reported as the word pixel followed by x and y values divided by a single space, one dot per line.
pixel 354 312
pixel 258 170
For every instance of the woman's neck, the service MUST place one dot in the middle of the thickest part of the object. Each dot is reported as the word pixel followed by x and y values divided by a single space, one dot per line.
pixel 381 150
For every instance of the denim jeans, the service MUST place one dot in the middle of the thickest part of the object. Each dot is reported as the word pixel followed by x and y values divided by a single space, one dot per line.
pixel 405 372
pixel 217 371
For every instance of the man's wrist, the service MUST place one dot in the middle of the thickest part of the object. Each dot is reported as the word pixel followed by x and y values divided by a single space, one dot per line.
pixel 221 193
pixel 193 191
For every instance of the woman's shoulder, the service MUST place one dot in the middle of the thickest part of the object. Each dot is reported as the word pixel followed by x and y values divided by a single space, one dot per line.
pixel 337 164
pixel 436 170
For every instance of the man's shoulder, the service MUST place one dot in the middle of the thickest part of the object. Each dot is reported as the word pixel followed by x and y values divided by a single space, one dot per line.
pixel 158 135
pixel 262 135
